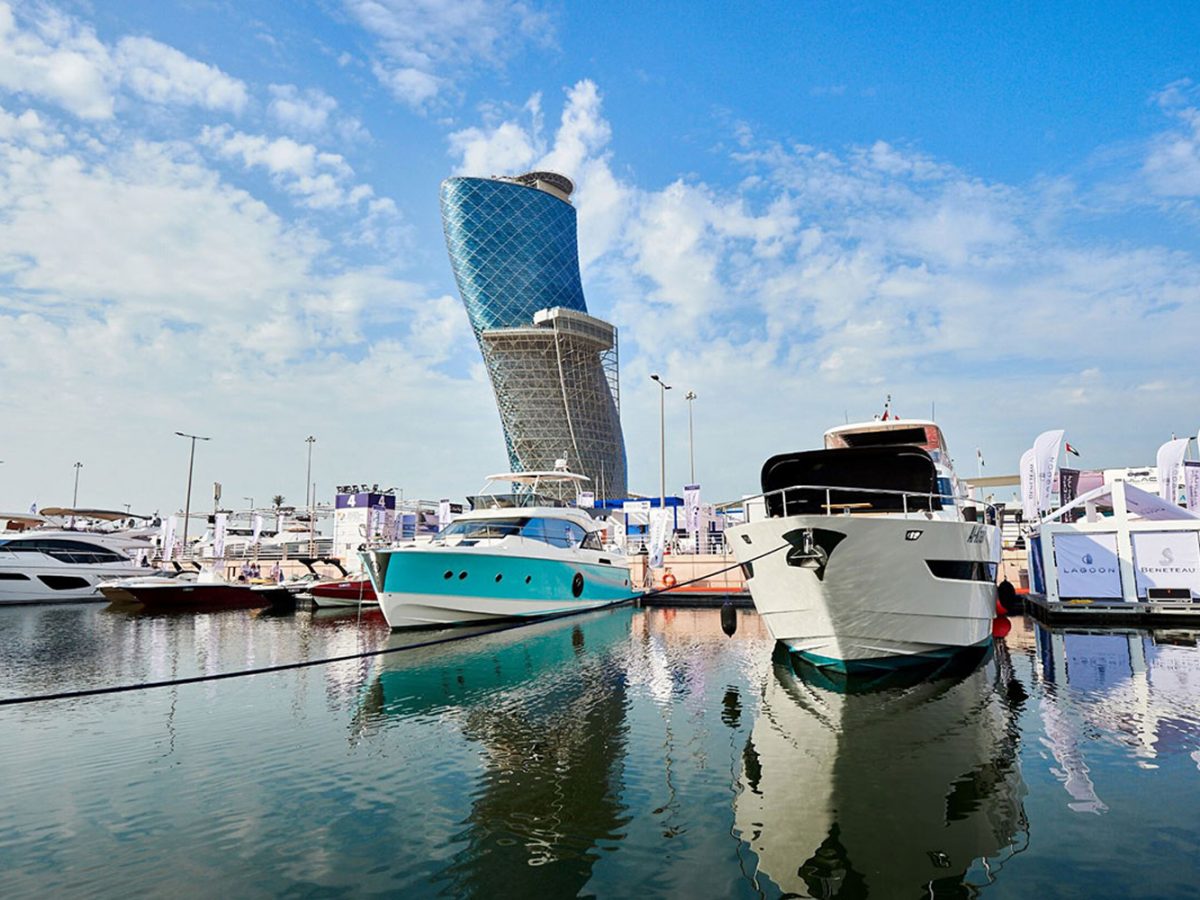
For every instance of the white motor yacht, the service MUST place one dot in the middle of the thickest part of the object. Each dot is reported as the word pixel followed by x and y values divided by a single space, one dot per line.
pixel 56 566
pixel 868 553
pixel 516 554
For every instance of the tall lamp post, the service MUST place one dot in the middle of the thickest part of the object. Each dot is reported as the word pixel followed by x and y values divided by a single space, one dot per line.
pixel 187 506
pixel 689 397
pixel 75 496
pixel 310 494
pixel 310 440
pixel 662 441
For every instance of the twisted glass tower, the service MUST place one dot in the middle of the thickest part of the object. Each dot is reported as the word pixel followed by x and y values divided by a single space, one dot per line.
pixel 553 367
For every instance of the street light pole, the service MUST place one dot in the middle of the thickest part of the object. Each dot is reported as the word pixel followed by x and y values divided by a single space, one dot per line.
pixel 689 397
pixel 662 441
pixel 310 440
pixel 187 506
pixel 75 496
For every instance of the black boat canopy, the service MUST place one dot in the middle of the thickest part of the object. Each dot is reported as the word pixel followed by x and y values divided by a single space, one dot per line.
pixel 895 468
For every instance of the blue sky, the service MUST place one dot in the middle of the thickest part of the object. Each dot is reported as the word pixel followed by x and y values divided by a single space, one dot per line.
pixel 222 218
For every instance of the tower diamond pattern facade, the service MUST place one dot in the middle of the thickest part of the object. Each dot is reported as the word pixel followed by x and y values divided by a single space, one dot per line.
pixel 553 367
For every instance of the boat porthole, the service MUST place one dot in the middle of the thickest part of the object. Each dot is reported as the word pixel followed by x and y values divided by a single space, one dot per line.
pixel 577 584
pixel 528 578
pixel 498 577
pixel 462 575
pixel 448 574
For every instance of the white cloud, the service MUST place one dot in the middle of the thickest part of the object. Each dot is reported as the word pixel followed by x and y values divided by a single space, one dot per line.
pixel 424 44
pixel 162 74
pixel 58 60
pixel 311 111
pixel 320 180
pixel 52 57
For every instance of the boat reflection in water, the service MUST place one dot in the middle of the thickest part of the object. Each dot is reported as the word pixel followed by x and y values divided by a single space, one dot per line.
pixel 884 788
pixel 546 704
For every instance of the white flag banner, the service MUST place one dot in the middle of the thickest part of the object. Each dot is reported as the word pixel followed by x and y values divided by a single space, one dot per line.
pixel 1191 484
pixel 1028 486
pixel 219 527
pixel 691 506
pixel 1170 468
pixel 258 524
pixel 659 524
pixel 168 541
pixel 1166 559
pixel 1087 566
pixel 1045 460
pixel 443 515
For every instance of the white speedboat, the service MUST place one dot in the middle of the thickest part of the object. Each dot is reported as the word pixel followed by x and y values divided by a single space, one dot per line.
pixel 514 555
pixel 56 566
pixel 868 553
pixel 898 788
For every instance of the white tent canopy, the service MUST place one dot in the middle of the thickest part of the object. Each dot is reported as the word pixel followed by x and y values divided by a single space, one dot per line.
pixel 1139 503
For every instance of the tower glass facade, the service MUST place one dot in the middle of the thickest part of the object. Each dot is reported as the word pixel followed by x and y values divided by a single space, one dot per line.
pixel 553 367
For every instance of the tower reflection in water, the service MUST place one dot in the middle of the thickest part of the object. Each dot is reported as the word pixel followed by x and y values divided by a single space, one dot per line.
pixel 889 789
pixel 546 702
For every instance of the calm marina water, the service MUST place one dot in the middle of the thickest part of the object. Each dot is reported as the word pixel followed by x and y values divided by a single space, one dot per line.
pixel 622 752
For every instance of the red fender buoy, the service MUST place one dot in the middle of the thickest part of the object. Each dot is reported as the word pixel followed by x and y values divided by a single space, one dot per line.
pixel 1001 627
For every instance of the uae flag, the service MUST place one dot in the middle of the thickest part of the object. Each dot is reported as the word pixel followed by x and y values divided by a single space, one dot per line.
pixel 1070 449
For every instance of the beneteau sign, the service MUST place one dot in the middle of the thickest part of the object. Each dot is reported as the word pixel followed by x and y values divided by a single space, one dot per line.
pixel 1167 559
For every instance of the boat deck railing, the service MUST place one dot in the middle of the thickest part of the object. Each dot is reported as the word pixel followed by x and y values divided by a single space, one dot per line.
pixel 849 500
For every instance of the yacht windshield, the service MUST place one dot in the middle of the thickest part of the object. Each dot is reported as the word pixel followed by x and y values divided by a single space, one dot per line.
pixel 556 532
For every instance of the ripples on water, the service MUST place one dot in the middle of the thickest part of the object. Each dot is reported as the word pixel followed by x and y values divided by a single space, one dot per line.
pixel 617 753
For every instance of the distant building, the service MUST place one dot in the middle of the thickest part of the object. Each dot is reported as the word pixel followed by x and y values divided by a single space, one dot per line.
pixel 553 367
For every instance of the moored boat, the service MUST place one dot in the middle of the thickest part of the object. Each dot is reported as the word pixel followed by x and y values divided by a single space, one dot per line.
pixel 868 553
pixel 345 592
pixel 514 555
pixel 207 591
pixel 48 566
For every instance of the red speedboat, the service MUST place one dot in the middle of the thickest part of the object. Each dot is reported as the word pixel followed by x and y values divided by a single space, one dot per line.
pixel 347 592
pixel 202 593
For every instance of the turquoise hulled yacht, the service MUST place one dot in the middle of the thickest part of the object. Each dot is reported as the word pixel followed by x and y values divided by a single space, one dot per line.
pixel 518 553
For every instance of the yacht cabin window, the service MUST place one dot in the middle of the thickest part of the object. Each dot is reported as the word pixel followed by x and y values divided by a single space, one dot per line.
pixel 65 550
pixel 556 532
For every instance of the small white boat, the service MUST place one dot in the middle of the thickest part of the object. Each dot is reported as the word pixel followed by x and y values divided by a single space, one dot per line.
pixel 55 566
pixel 516 554
pixel 868 553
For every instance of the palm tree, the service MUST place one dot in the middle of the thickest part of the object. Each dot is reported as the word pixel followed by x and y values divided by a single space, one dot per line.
pixel 277 500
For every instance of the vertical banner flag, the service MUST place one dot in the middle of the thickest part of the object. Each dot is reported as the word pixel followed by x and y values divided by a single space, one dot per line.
pixel 1045 461
pixel 258 524
pixel 218 548
pixel 1028 486
pixel 168 541
pixel 1170 466
pixel 691 506
pixel 443 513
pixel 1191 482
pixel 1068 490
pixel 660 521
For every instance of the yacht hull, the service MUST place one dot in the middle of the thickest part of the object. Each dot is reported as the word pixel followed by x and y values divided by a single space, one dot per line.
pixel 52 582
pixel 430 586
pixel 864 593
